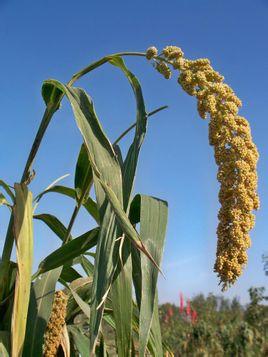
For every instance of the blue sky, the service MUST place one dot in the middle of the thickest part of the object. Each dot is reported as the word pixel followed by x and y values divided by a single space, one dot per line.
pixel 53 39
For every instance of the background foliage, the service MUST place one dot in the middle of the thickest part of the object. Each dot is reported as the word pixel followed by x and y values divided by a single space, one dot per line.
pixel 223 327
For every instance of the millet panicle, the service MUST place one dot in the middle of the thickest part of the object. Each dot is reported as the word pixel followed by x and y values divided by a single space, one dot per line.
pixel 55 325
pixel 235 154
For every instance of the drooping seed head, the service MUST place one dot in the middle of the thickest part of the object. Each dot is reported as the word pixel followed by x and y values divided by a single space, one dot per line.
pixel 235 154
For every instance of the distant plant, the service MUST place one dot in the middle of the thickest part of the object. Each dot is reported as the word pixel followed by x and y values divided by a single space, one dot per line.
pixel 128 235
pixel 223 328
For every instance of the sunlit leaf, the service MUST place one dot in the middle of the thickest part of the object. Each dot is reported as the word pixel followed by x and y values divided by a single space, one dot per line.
pixel 23 231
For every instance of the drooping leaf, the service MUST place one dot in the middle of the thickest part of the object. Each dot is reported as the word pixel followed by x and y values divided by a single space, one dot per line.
pixel 42 295
pixel 107 175
pixel 89 204
pixel 130 163
pixel 69 251
pixel 68 274
pixel 122 286
pixel 51 95
pixel 105 165
pixel 153 221
pixel 8 190
pixel 23 231
pixel 40 195
pixel 81 303
pixel 53 223
pixel 81 286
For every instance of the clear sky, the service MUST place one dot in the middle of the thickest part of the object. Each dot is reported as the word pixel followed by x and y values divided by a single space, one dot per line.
pixel 53 39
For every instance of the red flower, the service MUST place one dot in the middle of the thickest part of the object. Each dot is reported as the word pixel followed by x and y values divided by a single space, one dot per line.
pixel 188 308
pixel 181 303
pixel 194 316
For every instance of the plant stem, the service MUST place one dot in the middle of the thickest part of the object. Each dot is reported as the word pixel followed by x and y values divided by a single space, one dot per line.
pixel 134 124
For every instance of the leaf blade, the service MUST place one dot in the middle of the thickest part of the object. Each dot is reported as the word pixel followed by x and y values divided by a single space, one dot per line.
pixel 23 229
pixel 69 251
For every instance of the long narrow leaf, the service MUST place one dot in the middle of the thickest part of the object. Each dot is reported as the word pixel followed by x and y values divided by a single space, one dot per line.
pixel 122 286
pixel 105 165
pixel 153 221
pixel 53 223
pixel 69 274
pixel 130 163
pixel 23 230
pixel 89 204
pixel 69 251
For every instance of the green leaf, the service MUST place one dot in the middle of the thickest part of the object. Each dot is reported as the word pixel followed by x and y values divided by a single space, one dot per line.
pixel 121 294
pixel 42 295
pixel 87 266
pixel 23 231
pixel 105 165
pixel 80 340
pixel 130 163
pixel 7 278
pixel 81 303
pixel 125 223
pixel 155 338
pixel 81 286
pixel 8 190
pixel 89 204
pixel 83 174
pixel 107 178
pixel 69 251
pixel 69 274
pixel 122 286
pixel 51 94
pixel 53 223
pixel 153 221
pixel 4 344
